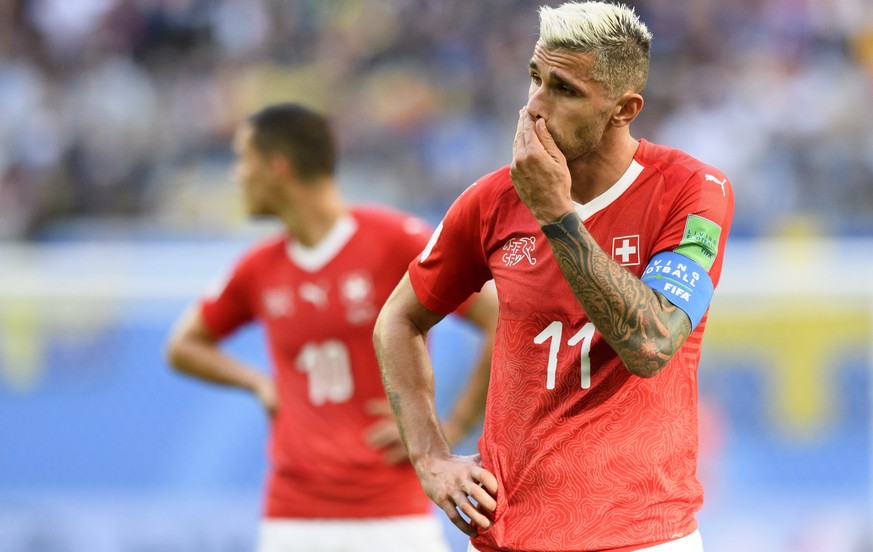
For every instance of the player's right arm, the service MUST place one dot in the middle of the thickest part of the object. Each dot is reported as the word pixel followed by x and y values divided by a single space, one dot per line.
pixel 400 340
pixel 481 311
pixel 469 409
pixel 194 351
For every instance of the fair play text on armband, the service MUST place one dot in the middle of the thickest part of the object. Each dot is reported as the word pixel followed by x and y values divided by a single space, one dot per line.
pixel 682 281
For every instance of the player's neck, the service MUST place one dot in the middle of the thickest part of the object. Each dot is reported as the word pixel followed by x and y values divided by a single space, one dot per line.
pixel 312 214
pixel 597 172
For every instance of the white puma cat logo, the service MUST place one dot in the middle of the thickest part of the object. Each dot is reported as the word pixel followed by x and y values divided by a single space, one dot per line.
pixel 717 181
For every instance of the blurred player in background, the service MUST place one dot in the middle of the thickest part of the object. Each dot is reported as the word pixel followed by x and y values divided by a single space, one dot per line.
pixel 605 251
pixel 339 479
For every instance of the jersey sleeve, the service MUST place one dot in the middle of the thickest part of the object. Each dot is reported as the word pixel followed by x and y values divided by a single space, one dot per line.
pixel 698 224
pixel 414 235
pixel 453 264
pixel 465 307
pixel 687 256
pixel 227 306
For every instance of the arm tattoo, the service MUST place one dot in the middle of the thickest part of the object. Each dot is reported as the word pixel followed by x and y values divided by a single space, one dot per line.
pixel 641 326
pixel 394 400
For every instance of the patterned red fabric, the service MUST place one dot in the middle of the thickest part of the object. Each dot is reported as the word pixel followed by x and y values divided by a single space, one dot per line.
pixel 319 328
pixel 582 465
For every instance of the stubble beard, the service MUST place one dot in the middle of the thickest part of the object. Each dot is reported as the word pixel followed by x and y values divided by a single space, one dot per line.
pixel 586 140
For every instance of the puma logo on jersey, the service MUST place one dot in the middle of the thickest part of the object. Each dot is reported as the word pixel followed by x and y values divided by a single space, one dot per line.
pixel 315 294
pixel 519 249
pixel 717 181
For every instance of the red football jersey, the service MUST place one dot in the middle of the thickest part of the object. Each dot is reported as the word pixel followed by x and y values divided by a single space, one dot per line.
pixel 318 307
pixel 588 456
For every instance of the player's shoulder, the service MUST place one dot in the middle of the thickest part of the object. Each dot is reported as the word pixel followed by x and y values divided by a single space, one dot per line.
pixel 265 249
pixel 493 184
pixel 677 167
pixel 259 257
pixel 488 189
pixel 388 221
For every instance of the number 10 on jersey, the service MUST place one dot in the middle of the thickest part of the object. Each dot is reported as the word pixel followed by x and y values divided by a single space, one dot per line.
pixel 554 332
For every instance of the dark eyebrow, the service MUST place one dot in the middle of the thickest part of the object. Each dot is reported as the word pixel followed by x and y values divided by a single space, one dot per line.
pixel 555 77
pixel 564 82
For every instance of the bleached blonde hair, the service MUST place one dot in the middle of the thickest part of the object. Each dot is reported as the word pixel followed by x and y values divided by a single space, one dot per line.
pixel 612 32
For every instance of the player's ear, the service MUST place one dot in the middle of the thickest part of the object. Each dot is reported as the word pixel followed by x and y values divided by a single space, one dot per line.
pixel 626 109
pixel 281 166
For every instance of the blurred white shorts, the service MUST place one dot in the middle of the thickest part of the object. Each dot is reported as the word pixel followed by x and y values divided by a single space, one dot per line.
pixel 689 543
pixel 397 534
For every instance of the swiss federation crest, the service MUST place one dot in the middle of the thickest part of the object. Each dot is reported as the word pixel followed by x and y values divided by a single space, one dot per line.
pixel 315 293
pixel 519 249
pixel 359 297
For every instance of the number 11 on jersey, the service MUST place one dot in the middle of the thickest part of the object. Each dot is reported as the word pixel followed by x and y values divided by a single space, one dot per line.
pixel 554 332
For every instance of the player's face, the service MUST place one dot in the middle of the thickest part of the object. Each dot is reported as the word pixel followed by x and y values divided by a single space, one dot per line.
pixel 253 173
pixel 576 107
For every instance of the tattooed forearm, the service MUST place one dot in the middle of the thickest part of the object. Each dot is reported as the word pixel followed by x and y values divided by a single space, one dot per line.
pixel 394 400
pixel 641 326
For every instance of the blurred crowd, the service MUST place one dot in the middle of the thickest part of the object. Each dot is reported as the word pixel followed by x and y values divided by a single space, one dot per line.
pixel 121 110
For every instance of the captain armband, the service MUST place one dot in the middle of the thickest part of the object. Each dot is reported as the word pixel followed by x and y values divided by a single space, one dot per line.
pixel 682 281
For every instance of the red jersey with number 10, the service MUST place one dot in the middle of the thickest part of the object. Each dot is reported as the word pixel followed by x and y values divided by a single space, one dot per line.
pixel 587 456
pixel 318 308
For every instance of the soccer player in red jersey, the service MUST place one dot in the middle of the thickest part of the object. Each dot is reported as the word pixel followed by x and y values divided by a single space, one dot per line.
pixel 605 250
pixel 339 476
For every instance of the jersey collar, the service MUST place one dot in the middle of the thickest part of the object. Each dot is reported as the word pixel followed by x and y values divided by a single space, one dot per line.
pixel 313 259
pixel 614 192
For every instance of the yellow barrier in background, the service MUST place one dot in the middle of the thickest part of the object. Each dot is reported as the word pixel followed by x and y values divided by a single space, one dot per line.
pixel 798 308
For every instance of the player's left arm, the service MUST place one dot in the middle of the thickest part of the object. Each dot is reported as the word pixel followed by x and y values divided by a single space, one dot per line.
pixel 639 323
pixel 643 327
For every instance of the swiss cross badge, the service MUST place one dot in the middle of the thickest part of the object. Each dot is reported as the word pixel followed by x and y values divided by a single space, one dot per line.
pixel 626 250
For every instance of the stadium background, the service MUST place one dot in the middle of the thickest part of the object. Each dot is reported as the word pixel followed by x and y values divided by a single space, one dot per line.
pixel 117 207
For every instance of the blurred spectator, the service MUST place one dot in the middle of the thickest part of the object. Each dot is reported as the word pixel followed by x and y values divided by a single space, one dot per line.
pixel 121 108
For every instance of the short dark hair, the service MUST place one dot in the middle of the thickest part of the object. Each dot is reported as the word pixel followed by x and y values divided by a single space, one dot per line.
pixel 301 135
